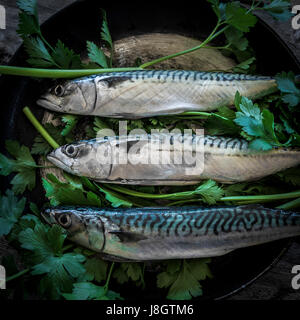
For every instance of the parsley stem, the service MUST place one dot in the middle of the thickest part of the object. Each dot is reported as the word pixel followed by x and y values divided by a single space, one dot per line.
pixel 191 115
pixel 190 194
pixel 108 277
pixel 40 128
pixel 242 200
pixel 45 41
pixel 219 48
pixel 190 118
pixel 143 275
pixel 87 183
pixel 255 6
pixel 57 73
pixel 182 201
pixel 109 190
pixel 185 194
pixel 199 115
pixel 290 205
pixel 67 247
pixel 17 275
pixel 213 35
pixel 269 197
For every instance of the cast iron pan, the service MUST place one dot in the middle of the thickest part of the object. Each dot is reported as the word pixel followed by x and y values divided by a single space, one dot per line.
pixel 80 22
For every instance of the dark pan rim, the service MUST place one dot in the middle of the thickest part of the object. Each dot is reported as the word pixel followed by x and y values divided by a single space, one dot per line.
pixel 285 246
pixel 259 275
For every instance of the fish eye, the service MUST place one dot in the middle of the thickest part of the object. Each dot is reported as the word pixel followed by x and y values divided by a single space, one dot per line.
pixel 64 220
pixel 71 151
pixel 59 90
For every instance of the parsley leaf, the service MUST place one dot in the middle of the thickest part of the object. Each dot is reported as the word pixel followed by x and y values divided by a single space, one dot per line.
pixel 249 188
pixel 28 25
pixel 90 291
pixel 96 269
pixel 28 6
pixel 238 20
pixel 239 17
pixel 129 270
pixel 24 222
pixel 96 54
pixel 278 9
pixel 290 93
pixel 65 57
pixel 70 120
pixel 61 269
pixel 183 278
pixel 99 124
pixel 28 18
pixel 6 165
pixel 39 55
pixel 209 191
pixel 36 45
pixel 41 146
pixel 105 34
pixel 258 126
pixel 34 208
pixel 291 176
pixel 236 38
pixel 24 165
pixel 219 9
pixel 11 209
pixel 221 122
pixel 244 66
pixel 115 199
pixel 68 193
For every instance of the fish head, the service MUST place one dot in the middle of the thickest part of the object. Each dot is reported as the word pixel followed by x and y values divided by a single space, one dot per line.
pixel 81 227
pixel 64 216
pixel 84 158
pixel 77 97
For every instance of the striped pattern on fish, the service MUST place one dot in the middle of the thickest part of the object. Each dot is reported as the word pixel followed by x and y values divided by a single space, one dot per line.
pixel 147 93
pixel 222 159
pixel 173 232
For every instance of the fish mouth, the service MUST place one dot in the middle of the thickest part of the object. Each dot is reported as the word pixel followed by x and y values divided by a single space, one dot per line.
pixel 46 103
pixel 57 162
pixel 46 214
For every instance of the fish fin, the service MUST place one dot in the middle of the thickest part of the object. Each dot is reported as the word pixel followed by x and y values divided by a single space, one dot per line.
pixel 130 144
pixel 127 115
pixel 110 257
pixel 125 236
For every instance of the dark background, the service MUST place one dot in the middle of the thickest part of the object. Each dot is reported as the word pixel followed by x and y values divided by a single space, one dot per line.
pixel 276 283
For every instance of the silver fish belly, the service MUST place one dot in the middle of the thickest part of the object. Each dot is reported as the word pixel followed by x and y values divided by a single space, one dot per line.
pixel 173 233
pixel 161 159
pixel 145 93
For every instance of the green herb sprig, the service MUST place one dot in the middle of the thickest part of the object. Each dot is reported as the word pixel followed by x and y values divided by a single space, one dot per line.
pixel 76 273
pixel 232 20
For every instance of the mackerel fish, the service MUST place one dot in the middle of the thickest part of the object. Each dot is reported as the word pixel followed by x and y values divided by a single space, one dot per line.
pixel 173 232
pixel 167 159
pixel 148 93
